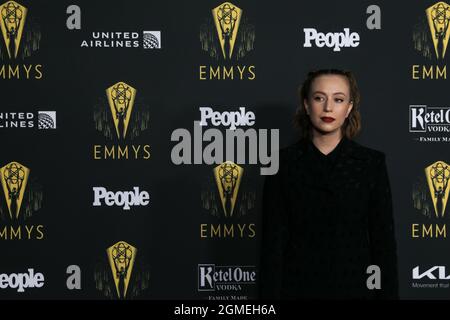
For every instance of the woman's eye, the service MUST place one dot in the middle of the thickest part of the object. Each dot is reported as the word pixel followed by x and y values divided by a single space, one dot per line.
pixel 339 100
pixel 318 99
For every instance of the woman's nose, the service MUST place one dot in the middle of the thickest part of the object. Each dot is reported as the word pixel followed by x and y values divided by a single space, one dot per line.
pixel 328 106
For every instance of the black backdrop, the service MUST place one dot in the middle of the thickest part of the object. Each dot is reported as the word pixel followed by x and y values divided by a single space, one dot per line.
pixel 167 231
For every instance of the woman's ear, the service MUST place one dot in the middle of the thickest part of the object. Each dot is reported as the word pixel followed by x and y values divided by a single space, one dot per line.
pixel 349 109
pixel 305 105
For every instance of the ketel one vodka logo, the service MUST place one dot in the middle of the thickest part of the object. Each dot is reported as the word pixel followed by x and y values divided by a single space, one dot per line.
pixel 13 17
pixel 22 198
pixel 121 118
pixel 429 123
pixel 21 37
pixel 228 178
pixel 227 37
pixel 438 175
pixel 121 257
pixel 14 178
pixel 228 279
pixel 430 37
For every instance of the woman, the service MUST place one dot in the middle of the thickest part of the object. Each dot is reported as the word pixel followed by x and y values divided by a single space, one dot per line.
pixel 327 213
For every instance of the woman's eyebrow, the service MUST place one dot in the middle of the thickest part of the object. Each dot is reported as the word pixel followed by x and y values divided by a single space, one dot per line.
pixel 321 92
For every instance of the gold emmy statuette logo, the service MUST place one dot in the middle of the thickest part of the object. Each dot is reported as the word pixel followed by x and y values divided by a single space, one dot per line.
pixel 12 21
pixel 14 178
pixel 121 258
pixel 438 175
pixel 438 16
pixel 228 179
pixel 227 17
pixel 121 100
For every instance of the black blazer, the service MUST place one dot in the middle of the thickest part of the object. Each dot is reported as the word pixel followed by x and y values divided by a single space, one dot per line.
pixel 321 231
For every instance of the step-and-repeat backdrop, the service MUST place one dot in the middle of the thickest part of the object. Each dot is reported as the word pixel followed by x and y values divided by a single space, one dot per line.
pixel 135 137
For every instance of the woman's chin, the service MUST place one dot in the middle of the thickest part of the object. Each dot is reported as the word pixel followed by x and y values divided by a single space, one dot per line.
pixel 325 130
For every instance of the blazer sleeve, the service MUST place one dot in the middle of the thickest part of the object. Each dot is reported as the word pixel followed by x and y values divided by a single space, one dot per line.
pixel 382 230
pixel 274 237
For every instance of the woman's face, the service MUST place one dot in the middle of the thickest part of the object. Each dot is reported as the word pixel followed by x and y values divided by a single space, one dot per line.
pixel 329 103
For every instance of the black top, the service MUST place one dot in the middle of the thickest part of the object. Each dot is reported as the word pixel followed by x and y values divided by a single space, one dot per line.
pixel 326 218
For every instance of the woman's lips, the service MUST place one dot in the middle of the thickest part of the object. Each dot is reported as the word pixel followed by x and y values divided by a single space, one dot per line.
pixel 327 119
